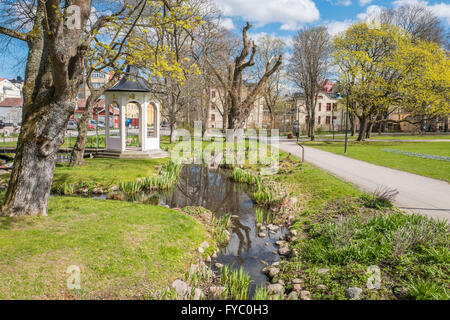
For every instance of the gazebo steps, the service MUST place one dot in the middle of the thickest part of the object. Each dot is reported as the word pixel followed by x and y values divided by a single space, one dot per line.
pixel 134 154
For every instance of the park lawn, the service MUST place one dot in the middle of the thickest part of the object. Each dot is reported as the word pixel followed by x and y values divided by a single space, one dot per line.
pixel 101 172
pixel 124 250
pixel 410 137
pixel 373 152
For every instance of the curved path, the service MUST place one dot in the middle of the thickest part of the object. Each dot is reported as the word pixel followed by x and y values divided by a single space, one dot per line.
pixel 417 194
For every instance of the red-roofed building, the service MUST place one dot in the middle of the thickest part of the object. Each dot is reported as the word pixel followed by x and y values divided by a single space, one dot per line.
pixel 99 109
pixel 328 86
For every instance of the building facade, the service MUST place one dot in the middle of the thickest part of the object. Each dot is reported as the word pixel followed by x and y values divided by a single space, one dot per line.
pixel 9 90
pixel 98 78
pixel 329 117
pixel 254 120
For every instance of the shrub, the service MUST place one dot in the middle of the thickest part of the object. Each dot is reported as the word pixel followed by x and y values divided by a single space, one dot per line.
pixel 263 196
pixel 167 178
pixel 261 293
pixel 381 198
pixel 236 283
pixel 130 187
pixel 380 239
pixel 220 226
pixel 243 176
pixel 420 289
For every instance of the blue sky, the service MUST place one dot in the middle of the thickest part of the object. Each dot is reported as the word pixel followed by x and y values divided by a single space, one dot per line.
pixel 282 18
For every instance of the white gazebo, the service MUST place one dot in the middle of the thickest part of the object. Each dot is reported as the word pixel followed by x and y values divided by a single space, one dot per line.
pixel 132 118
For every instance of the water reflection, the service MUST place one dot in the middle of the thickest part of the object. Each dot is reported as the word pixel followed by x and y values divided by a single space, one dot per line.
pixel 213 190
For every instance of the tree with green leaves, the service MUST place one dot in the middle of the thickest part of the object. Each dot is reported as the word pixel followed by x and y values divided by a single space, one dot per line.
pixel 382 66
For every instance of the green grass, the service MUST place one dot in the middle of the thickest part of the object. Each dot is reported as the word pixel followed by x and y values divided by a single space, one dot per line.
pixel 373 152
pixel 347 231
pixel 410 137
pixel 106 172
pixel 124 250
pixel 412 252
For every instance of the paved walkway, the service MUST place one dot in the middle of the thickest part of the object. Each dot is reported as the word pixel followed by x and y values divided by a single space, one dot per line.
pixel 417 194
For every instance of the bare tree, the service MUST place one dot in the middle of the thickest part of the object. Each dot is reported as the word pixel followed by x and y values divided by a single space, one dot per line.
pixel 239 107
pixel 308 67
pixel 269 47
pixel 419 21
pixel 215 45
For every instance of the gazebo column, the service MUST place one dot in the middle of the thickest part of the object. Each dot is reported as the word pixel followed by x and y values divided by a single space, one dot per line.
pixel 123 131
pixel 143 125
pixel 107 103
pixel 157 121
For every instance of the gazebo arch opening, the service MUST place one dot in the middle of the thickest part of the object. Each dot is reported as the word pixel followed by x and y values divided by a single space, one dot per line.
pixel 113 118
pixel 133 125
pixel 152 120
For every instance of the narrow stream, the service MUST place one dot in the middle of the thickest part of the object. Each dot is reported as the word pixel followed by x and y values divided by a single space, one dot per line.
pixel 215 191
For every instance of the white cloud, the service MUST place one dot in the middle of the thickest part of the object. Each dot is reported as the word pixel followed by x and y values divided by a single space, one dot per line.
pixel 288 41
pixel 335 27
pixel 227 23
pixel 291 13
pixel 371 12
pixel 344 3
pixel 363 3
pixel 442 10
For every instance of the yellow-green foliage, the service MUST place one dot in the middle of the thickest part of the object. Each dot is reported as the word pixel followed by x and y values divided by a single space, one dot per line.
pixel 382 66
pixel 134 37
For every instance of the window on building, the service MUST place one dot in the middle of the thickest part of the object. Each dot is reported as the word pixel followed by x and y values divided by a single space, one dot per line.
pixel 213 94
pixel 213 117
pixel 318 120
pixel 98 75
pixel 213 106
pixel 334 106
pixel 328 120
pixel 320 107
pixel 328 106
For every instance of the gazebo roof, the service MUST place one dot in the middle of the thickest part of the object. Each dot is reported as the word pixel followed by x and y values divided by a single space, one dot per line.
pixel 131 82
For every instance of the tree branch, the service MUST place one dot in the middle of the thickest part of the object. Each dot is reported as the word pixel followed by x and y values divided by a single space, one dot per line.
pixel 13 34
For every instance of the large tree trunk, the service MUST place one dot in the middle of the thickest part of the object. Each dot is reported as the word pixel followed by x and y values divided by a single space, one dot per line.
pixel 53 75
pixel 80 145
pixel 41 136
pixel 369 130
pixel 363 123
pixel 352 124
